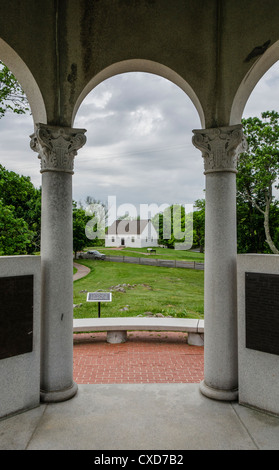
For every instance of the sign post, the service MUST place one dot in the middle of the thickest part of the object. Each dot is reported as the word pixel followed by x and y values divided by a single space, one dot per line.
pixel 99 297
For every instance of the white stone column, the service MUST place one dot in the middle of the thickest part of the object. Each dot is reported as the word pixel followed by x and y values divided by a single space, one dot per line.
pixel 220 148
pixel 57 147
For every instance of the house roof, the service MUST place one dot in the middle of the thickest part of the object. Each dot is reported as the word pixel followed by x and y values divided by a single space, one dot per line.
pixel 127 227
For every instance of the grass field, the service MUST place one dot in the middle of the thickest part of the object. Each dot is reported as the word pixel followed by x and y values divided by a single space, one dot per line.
pixel 161 253
pixel 169 291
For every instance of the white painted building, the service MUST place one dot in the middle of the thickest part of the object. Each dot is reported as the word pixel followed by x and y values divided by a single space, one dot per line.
pixel 132 233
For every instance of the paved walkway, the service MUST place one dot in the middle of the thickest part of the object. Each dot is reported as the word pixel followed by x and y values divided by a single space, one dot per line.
pixel 147 357
pixel 82 271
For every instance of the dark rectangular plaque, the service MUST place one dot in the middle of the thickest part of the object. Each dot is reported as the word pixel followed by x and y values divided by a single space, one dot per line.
pixel 262 312
pixel 16 315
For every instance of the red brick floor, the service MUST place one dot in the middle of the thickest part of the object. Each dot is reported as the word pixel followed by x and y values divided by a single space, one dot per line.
pixel 147 357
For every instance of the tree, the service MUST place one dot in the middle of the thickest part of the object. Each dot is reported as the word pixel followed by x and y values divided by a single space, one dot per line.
pixel 15 236
pixel 12 96
pixel 250 228
pixel 164 225
pixel 199 224
pixel 18 192
pixel 86 224
pixel 80 220
pixel 174 227
pixel 96 221
pixel 258 170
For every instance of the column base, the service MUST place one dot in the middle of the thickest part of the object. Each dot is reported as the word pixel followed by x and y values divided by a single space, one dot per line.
pixel 217 394
pixel 57 396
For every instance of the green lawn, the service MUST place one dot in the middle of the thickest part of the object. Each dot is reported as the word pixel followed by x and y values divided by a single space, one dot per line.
pixel 170 291
pixel 161 253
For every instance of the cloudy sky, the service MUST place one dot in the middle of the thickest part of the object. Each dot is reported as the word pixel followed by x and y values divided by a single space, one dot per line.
pixel 139 148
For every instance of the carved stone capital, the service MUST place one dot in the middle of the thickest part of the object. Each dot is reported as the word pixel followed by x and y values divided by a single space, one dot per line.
pixel 57 146
pixel 220 147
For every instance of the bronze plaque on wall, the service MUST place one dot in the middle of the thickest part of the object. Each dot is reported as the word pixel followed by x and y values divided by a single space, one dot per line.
pixel 16 315
pixel 262 312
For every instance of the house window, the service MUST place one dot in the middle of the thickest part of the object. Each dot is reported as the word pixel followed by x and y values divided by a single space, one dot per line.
pixel 146 239
pixel 133 239
pixel 112 239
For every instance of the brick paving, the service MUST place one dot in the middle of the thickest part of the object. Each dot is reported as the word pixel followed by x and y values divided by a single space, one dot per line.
pixel 147 357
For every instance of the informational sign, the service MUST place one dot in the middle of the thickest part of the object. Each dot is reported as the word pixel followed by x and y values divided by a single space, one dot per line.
pixel 99 297
pixel 262 312
pixel 16 315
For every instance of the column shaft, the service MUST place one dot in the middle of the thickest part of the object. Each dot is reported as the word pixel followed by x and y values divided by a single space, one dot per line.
pixel 220 283
pixel 57 282
pixel 220 148
pixel 57 148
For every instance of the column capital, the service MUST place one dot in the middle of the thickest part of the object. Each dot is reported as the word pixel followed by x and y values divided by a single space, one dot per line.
pixel 220 147
pixel 57 146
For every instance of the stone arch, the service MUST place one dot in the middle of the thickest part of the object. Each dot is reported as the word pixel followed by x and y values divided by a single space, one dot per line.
pixel 141 65
pixel 256 72
pixel 24 76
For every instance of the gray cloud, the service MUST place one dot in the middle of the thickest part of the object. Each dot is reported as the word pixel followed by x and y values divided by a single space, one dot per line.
pixel 139 141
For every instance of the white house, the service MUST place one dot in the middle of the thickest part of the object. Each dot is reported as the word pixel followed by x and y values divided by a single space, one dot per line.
pixel 131 233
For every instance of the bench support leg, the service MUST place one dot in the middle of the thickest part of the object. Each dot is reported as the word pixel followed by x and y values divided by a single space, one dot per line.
pixel 115 337
pixel 195 339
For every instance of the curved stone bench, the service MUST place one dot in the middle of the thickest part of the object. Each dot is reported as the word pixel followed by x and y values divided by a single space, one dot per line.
pixel 117 328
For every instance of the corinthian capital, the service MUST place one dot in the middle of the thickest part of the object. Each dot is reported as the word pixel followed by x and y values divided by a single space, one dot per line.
pixel 57 146
pixel 220 147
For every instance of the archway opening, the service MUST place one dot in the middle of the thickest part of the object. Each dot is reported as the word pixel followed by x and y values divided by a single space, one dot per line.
pixel 16 129
pixel 257 208
pixel 265 95
pixel 139 150
pixel 138 123
pixel 20 175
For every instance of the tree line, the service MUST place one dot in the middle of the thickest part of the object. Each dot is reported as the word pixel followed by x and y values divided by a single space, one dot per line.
pixel 20 220
pixel 20 216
